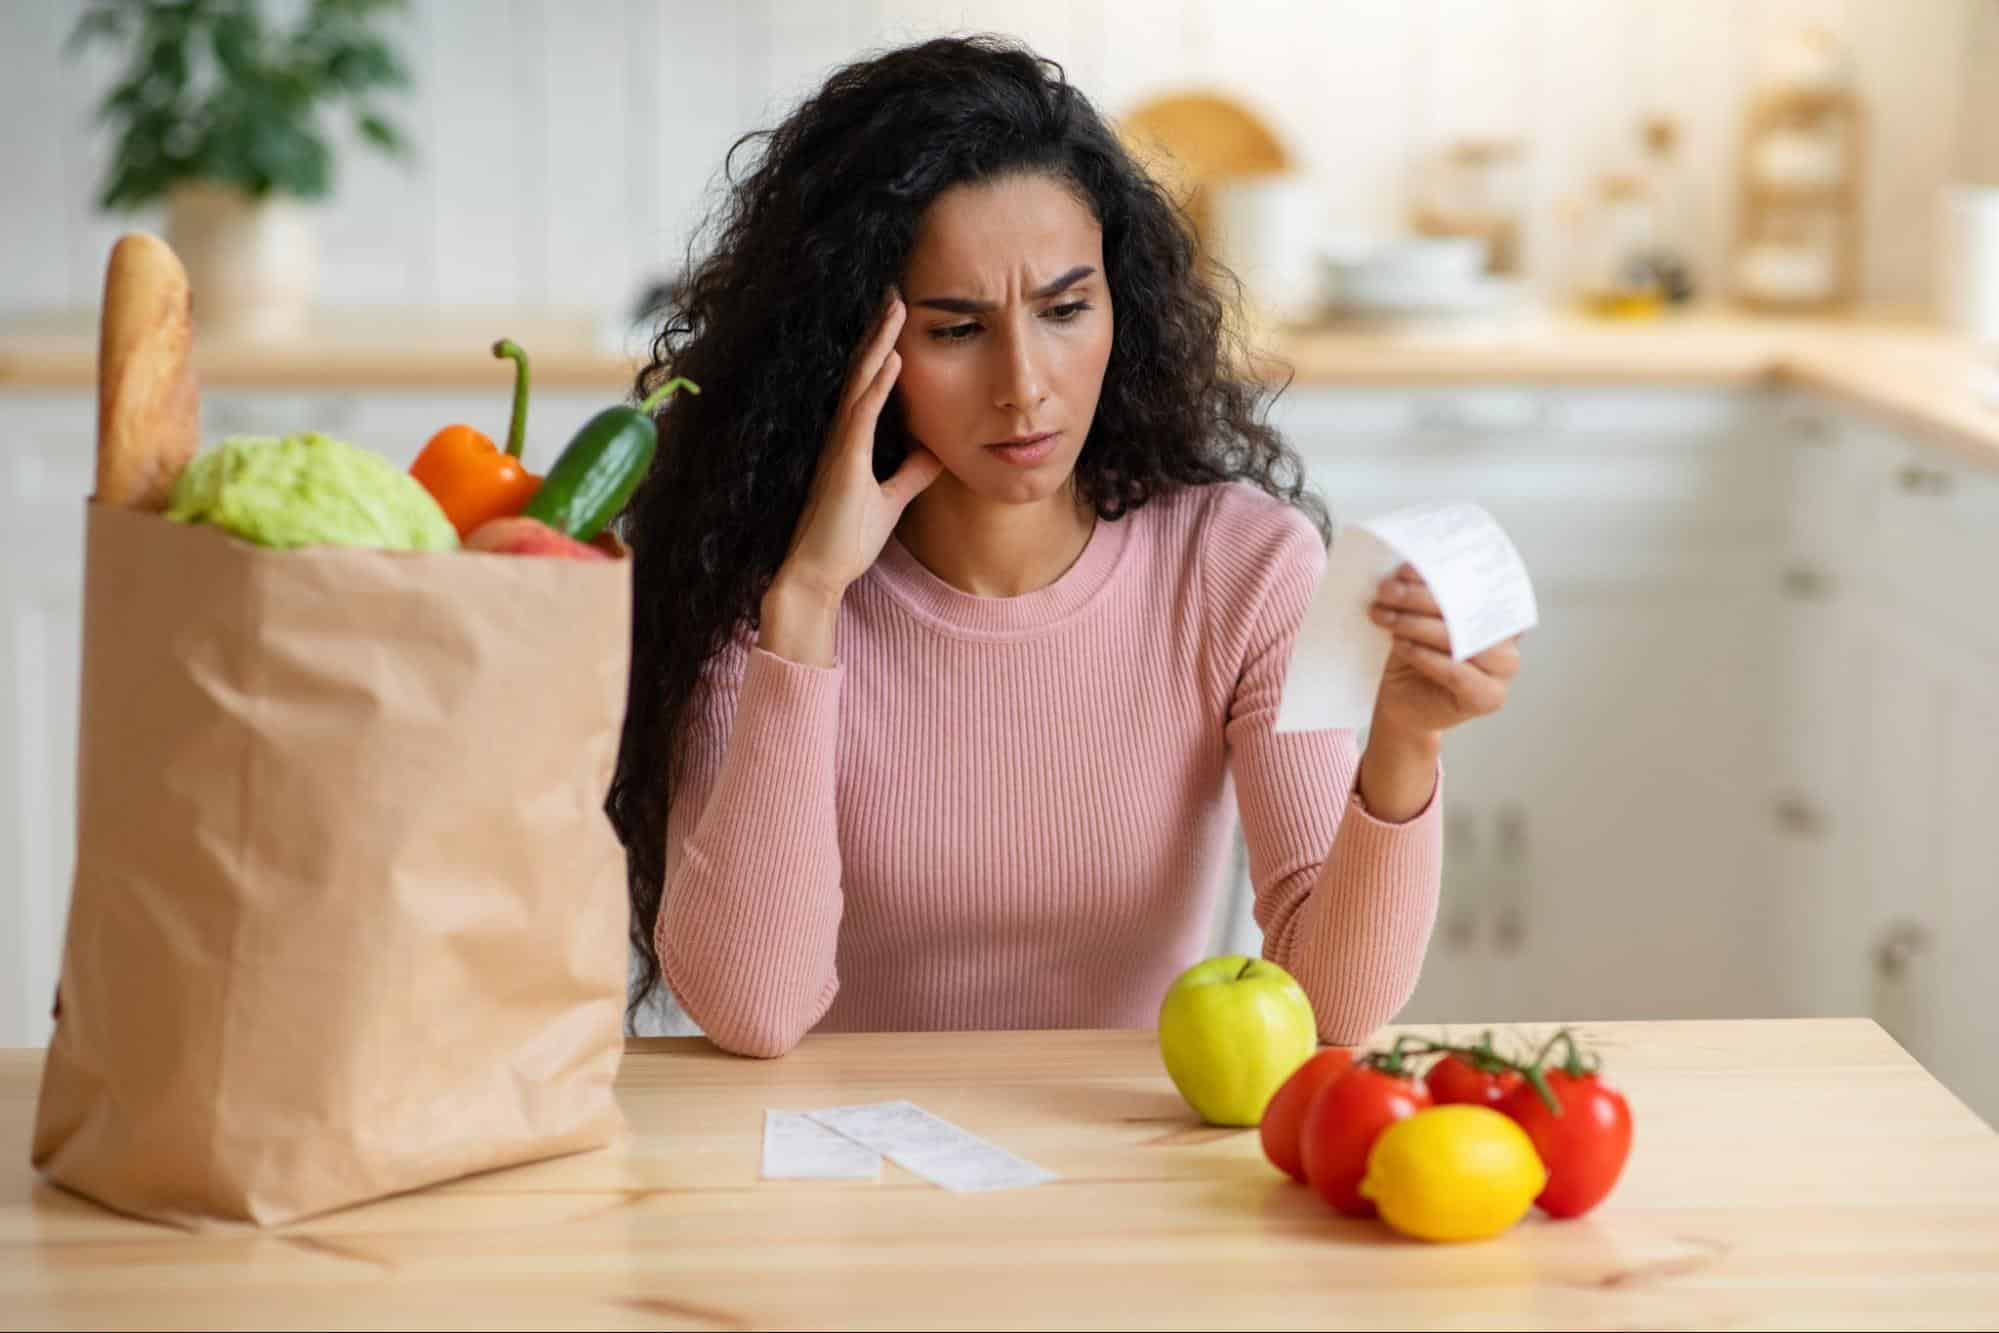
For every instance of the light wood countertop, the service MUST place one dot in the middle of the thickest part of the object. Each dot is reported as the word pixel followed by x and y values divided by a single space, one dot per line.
pixel 1913 374
pixel 345 349
pixel 1906 371
pixel 1803 1173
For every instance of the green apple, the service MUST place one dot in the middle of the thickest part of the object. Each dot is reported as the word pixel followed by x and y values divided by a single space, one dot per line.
pixel 1231 1030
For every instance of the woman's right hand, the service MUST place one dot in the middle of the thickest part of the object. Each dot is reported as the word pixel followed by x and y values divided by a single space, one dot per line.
pixel 848 514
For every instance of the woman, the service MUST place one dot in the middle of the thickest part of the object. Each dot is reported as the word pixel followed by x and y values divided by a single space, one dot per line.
pixel 966 584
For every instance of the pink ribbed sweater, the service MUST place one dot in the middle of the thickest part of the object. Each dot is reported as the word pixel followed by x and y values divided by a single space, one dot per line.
pixel 1013 812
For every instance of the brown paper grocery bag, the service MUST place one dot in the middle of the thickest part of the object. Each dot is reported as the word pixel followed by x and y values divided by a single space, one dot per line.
pixel 348 917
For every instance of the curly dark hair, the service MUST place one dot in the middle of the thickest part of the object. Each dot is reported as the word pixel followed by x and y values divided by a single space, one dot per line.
pixel 803 247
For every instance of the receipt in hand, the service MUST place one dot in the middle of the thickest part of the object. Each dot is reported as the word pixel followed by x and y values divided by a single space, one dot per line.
pixel 1471 569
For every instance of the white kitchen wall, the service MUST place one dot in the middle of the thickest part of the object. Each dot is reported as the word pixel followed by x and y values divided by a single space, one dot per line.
pixel 566 146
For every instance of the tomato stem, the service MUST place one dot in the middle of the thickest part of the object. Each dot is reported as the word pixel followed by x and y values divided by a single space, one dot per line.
pixel 1485 1059
pixel 1575 1063
pixel 1541 1089
pixel 1483 1056
pixel 1395 1060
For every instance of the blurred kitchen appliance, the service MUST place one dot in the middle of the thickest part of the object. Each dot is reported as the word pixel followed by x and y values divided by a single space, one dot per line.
pixel 1798 233
pixel 1671 255
pixel 1967 273
pixel 1266 230
pixel 1613 251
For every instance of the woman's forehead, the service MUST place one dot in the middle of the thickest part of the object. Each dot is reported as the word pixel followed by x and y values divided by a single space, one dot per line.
pixel 1020 232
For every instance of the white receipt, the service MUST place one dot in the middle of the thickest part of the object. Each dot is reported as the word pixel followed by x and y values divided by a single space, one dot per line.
pixel 1472 570
pixel 934 1149
pixel 797 1148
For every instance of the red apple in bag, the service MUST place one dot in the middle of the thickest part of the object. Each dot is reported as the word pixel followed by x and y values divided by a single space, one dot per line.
pixel 527 536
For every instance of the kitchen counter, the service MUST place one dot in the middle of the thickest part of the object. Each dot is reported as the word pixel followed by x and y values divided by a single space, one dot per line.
pixel 1915 375
pixel 1802 1173
pixel 357 348
pixel 1912 374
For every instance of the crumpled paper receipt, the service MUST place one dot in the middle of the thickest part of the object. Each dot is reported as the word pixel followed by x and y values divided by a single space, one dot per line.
pixel 1472 570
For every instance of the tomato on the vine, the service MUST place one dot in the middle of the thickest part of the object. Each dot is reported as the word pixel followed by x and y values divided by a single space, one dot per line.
pixel 1284 1113
pixel 1342 1123
pixel 1584 1147
pixel 1460 1079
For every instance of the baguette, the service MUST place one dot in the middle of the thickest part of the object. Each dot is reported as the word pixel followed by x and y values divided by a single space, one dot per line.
pixel 148 402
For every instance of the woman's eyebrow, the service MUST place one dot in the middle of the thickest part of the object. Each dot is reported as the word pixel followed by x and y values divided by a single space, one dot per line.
pixel 958 305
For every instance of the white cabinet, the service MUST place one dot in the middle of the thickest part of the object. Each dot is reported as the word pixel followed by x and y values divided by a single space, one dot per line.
pixel 1751 766
pixel 1930 629
pixel 1818 799
pixel 1605 836
pixel 45 477
pixel 1887 838
pixel 47 470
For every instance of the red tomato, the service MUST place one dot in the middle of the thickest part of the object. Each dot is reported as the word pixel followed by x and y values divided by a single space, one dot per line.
pixel 1454 1080
pixel 1584 1147
pixel 1341 1125
pixel 1285 1112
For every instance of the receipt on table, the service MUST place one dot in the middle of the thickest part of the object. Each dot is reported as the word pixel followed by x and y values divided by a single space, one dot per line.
pixel 930 1147
pixel 1472 570
pixel 798 1148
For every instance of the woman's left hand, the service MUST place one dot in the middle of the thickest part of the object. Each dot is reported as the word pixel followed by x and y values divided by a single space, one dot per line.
pixel 1422 689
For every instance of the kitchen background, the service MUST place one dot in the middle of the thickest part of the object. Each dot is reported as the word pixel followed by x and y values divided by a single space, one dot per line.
pixel 564 148
pixel 1748 770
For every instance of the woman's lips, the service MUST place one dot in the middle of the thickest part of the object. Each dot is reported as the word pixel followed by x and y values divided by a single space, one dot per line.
pixel 1025 455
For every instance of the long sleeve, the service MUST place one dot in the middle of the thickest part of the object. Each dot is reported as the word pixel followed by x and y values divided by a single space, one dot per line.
pixel 750 916
pixel 1346 901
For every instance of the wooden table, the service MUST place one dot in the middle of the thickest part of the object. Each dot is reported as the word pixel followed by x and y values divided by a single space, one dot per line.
pixel 1803 1173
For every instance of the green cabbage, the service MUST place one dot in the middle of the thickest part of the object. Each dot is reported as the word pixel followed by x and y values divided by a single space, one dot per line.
pixel 309 490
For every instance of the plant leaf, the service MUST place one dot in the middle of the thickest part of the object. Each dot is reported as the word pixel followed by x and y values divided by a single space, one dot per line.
pixel 360 66
pixel 237 39
pixel 166 60
pixel 380 133
pixel 248 117
pixel 100 22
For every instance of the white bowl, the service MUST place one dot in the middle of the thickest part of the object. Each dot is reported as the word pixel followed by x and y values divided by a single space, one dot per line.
pixel 1420 273
pixel 1453 260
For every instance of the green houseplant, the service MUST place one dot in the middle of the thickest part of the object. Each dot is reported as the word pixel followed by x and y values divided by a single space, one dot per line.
pixel 220 115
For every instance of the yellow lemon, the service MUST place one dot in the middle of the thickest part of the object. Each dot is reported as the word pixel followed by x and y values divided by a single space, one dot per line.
pixel 1456 1172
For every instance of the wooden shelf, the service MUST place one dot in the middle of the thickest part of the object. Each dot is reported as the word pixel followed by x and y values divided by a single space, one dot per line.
pixel 1808 195
pixel 1769 213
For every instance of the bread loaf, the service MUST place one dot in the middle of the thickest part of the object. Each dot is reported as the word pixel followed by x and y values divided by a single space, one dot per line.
pixel 148 403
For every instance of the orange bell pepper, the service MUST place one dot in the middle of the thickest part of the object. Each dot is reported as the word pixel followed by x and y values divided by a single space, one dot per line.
pixel 471 479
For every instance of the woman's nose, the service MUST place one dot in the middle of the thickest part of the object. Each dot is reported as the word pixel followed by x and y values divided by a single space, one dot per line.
pixel 1021 384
